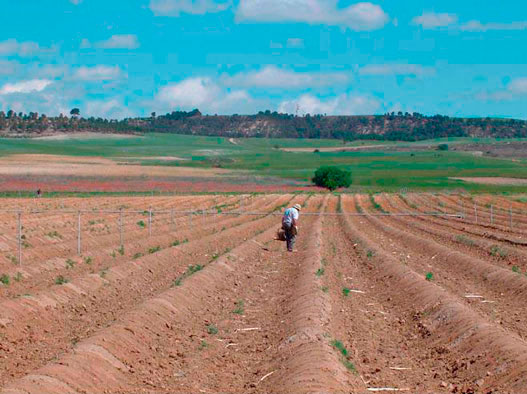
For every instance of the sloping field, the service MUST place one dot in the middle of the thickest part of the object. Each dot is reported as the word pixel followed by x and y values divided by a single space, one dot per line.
pixel 210 302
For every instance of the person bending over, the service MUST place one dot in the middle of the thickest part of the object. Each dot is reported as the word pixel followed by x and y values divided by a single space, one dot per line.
pixel 289 225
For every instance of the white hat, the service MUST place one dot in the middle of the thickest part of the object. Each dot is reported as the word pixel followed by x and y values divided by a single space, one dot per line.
pixel 297 207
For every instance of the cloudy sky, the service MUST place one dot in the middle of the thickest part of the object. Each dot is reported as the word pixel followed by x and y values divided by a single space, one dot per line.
pixel 119 58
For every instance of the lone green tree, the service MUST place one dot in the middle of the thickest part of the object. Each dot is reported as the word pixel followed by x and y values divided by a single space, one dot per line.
pixel 331 178
pixel 75 112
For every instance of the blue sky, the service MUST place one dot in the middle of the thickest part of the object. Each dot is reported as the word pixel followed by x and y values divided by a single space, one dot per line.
pixel 119 58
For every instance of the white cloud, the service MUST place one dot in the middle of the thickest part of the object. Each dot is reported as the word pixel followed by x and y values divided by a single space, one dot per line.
pixel 515 88
pixel 112 108
pixel 477 26
pixel 117 41
pixel 33 85
pixel 274 77
pixel 98 73
pixel 76 2
pixel 396 69
pixel 362 16
pixel 8 67
pixel 191 92
pixel 13 47
pixel 197 7
pixel 344 104
pixel 295 43
pixel 205 94
pixel 432 20
pixel 518 86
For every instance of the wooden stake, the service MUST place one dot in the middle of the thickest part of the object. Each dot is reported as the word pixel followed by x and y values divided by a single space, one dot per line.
pixel 20 238
pixel 79 233
pixel 150 222
pixel 121 238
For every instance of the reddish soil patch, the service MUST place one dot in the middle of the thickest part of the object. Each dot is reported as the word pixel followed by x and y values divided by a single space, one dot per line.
pixel 214 304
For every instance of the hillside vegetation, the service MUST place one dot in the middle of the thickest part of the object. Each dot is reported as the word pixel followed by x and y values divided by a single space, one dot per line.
pixel 402 127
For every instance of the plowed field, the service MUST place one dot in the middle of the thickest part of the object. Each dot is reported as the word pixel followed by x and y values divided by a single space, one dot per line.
pixel 212 303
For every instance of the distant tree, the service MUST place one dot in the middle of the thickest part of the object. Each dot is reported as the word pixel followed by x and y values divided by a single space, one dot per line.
pixel 153 115
pixel 442 147
pixel 75 112
pixel 331 178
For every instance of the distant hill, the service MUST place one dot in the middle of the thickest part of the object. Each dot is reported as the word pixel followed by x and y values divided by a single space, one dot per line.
pixel 391 126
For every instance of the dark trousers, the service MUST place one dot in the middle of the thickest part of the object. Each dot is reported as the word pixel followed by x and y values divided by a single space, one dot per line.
pixel 290 236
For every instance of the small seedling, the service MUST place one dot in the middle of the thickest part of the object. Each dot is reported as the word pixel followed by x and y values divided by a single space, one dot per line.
pixel 103 273
pixel 113 254
pixel 88 260
pixel 121 250
pixel 137 255
pixel 465 240
pixel 4 279
pixel 496 251
pixel 60 280
pixel 212 329
pixel 18 277
pixel 340 347
pixel 239 307
pixel 346 292
pixel 516 269
pixel 429 276
pixel 154 249
pixel 349 365
pixel 325 289
pixel 320 272
pixel 192 269
pixel 176 243
pixel 177 282
pixel 345 357
pixel 54 234
pixel 370 254
pixel 70 263
pixel 141 224
pixel 203 345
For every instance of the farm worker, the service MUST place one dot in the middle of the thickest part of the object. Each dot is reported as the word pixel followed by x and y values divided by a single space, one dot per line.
pixel 289 224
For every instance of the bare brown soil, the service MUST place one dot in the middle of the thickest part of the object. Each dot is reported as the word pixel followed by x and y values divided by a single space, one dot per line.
pixel 494 180
pixel 212 303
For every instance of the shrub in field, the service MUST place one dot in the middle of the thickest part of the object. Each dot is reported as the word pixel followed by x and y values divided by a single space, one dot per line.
pixel 429 276
pixel 141 224
pixel 239 307
pixel 4 279
pixel 154 249
pixel 497 251
pixel 319 272
pixel 442 147
pixel 332 178
pixel 212 329
pixel 345 292
pixel 60 280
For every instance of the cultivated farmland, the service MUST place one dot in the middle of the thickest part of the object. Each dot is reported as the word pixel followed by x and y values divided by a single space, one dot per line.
pixel 193 294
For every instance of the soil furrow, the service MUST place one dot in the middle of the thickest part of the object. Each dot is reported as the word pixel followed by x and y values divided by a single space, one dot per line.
pixel 460 274
pixel 130 354
pixel 455 335
pixel 60 318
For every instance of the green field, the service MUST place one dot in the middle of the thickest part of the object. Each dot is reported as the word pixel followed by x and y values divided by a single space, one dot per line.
pixel 371 171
